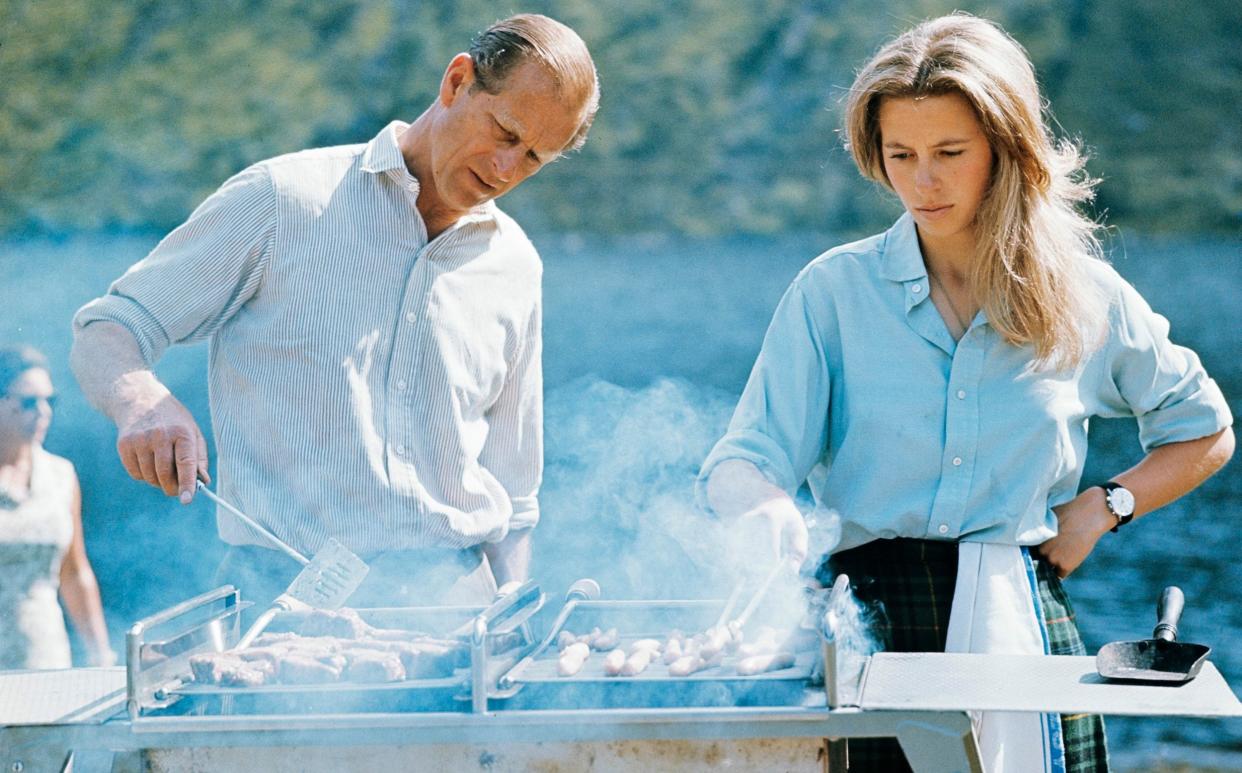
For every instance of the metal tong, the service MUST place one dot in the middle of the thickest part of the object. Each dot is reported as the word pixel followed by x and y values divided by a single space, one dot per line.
pixel 739 622
pixel 325 582
pixel 585 589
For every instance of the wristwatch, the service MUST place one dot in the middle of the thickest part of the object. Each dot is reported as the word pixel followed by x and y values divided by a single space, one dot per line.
pixel 1120 502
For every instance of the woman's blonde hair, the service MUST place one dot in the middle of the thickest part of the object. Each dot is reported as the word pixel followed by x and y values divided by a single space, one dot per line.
pixel 1029 275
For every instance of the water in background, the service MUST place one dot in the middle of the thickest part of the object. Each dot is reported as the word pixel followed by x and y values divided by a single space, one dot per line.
pixel 648 342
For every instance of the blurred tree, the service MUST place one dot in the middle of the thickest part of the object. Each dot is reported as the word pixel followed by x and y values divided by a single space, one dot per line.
pixel 715 119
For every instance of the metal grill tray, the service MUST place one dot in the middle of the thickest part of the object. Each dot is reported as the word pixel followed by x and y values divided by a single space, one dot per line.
pixel 543 670
pixel 542 687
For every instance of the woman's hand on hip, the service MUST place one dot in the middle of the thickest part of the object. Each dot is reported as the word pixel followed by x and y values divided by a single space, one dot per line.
pixel 1080 524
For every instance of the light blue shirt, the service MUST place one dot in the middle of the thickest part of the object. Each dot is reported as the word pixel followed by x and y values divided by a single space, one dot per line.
pixel 860 391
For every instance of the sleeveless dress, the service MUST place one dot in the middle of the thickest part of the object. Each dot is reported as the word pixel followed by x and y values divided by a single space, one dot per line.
pixel 34 536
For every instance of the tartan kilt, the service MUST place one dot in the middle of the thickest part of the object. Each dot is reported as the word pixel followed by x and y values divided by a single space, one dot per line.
pixel 908 586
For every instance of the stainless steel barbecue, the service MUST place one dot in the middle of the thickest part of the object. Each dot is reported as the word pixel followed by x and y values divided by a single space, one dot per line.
pixel 504 706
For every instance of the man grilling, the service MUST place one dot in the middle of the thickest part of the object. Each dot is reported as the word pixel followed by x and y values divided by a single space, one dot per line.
pixel 374 326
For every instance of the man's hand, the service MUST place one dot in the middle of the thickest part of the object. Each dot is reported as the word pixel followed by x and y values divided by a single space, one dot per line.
pixel 510 558
pixel 158 440
pixel 1082 521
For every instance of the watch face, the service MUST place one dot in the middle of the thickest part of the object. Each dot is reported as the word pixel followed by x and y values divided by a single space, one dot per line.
pixel 1121 502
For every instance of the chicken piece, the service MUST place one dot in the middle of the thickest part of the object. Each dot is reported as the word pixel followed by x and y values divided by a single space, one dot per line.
pixel 646 644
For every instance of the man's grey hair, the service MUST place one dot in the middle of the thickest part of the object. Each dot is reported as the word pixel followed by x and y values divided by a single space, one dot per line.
pixel 498 50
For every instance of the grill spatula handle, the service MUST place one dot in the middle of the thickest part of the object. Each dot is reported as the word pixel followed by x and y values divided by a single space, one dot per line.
pixel 1169 611
pixel 277 542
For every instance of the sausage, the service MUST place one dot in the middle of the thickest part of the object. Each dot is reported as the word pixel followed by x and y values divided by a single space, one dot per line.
pixel 716 638
pixel 761 664
pixel 606 640
pixel 686 665
pixel 571 660
pixel 613 662
pixel 637 662
pixel 672 651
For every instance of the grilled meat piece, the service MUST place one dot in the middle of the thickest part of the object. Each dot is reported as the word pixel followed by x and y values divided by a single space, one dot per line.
pixel 228 670
pixel 300 669
pixel 343 623
pixel 374 667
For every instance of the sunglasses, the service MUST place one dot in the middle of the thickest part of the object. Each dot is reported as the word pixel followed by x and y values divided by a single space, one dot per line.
pixel 29 403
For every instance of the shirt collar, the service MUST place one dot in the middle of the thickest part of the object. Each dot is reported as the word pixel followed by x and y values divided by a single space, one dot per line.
pixel 382 153
pixel 902 259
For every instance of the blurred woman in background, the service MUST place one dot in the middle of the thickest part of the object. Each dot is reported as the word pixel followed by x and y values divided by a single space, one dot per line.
pixel 933 384
pixel 41 546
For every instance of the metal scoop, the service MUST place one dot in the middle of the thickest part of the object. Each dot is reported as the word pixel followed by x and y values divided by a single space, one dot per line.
pixel 1159 659
pixel 326 580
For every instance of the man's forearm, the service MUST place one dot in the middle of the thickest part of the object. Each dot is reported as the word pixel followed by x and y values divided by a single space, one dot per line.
pixel 510 558
pixel 110 370
pixel 158 440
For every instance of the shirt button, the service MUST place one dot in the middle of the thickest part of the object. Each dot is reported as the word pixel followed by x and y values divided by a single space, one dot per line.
pixel 961 394
pixel 957 461
pixel 400 450
pixel 944 528
pixel 410 317
pixel 917 289
pixel 401 384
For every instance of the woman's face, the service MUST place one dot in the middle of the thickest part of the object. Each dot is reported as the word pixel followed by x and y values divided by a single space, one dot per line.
pixel 26 408
pixel 940 164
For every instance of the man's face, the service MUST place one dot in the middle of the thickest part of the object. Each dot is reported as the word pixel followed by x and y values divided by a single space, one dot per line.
pixel 485 144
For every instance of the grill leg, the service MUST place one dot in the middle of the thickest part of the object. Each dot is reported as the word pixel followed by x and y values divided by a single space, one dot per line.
pixel 838 758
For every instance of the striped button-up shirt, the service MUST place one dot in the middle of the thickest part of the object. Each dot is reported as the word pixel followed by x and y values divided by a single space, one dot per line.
pixel 365 384
pixel 860 391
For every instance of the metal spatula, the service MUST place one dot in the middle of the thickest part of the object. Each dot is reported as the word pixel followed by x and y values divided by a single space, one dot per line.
pixel 326 580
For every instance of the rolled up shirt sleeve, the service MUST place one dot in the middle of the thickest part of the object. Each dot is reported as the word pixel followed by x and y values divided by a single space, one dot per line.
pixel 780 424
pixel 197 276
pixel 1159 383
pixel 513 452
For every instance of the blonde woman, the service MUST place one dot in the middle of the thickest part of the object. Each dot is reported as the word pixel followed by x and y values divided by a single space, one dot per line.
pixel 932 384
